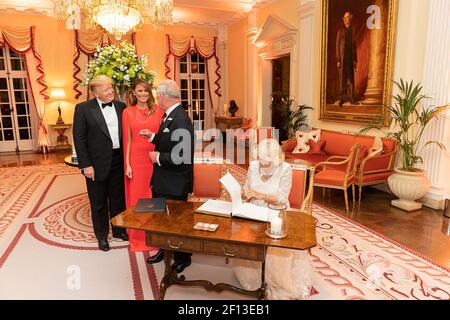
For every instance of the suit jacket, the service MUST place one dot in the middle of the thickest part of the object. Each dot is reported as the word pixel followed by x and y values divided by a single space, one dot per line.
pixel 91 137
pixel 175 176
pixel 340 50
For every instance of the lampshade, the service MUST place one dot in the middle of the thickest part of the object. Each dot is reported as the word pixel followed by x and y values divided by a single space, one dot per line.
pixel 57 94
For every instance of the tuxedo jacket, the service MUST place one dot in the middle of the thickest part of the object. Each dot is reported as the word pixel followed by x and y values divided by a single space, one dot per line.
pixel 174 177
pixel 91 137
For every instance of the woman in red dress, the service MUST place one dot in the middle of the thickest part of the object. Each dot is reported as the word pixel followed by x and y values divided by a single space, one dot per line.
pixel 142 114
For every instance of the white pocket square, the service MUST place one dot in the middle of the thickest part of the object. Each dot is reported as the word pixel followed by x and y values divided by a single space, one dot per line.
pixel 166 130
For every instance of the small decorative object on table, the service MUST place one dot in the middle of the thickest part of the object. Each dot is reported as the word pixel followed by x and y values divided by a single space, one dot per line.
pixel 276 225
pixel 233 108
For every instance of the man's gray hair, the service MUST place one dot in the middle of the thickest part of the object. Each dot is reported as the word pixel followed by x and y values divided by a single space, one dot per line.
pixel 168 88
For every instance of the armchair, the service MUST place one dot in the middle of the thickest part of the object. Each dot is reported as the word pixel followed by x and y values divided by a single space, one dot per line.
pixel 377 169
pixel 337 174
pixel 302 190
pixel 207 172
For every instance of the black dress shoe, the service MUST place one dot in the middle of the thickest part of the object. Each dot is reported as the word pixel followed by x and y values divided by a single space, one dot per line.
pixel 103 245
pixel 158 257
pixel 180 266
pixel 123 236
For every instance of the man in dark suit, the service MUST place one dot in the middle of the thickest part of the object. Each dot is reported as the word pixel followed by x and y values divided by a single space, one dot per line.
pixel 97 135
pixel 347 59
pixel 173 157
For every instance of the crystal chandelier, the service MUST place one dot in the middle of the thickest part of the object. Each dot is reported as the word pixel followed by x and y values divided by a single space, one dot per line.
pixel 116 16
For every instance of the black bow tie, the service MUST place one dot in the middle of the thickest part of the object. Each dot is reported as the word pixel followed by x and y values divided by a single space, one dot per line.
pixel 109 104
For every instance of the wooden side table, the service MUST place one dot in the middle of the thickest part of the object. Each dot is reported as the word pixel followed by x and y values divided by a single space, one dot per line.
pixel 70 161
pixel 61 140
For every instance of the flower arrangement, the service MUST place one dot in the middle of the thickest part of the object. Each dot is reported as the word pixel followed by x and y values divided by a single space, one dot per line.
pixel 121 64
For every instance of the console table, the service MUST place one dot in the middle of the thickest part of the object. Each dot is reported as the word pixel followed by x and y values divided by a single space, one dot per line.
pixel 61 140
pixel 223 122
pixel 234 238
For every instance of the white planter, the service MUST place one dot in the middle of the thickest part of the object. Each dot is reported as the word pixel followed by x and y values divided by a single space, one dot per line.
pixel 408 187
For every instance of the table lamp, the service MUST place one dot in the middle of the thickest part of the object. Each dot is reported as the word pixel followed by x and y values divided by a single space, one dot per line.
pixel 58 94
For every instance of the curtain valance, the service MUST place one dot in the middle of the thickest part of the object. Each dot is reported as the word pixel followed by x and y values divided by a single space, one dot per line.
pixel 22 40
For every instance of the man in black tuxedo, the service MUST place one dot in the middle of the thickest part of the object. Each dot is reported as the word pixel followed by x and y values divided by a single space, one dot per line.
pixel 97 135
pixel 173 157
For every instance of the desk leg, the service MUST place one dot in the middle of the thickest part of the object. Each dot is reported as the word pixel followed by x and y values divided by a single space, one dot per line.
pixel 168 274
pixel 261 292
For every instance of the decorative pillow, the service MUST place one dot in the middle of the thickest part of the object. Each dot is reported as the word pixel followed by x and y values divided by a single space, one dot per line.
pixel 303 138
pixel 314 135
pixel 302 142
pixel 316 147
pixel 376 149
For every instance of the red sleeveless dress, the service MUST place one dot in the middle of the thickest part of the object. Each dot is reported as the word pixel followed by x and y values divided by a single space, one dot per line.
pixel 141 165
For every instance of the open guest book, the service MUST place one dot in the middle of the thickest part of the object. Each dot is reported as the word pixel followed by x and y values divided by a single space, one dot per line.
pixel 235 208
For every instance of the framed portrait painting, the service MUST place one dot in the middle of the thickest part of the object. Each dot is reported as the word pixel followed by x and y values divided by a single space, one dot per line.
pixel 358 39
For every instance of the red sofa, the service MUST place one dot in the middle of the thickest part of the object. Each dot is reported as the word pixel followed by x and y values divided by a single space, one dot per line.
pixel 372 170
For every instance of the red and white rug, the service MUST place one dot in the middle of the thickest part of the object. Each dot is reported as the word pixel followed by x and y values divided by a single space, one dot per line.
pixel 48 251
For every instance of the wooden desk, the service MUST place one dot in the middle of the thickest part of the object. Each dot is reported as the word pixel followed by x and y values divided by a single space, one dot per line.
pixel 234 238
pixel 223 122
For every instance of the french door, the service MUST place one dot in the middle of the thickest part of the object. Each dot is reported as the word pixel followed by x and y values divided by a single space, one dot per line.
pixel 193 88
pixel 15 107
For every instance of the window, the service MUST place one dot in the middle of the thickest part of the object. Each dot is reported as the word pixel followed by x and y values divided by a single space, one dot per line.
pixel 15 113
pixel 193 88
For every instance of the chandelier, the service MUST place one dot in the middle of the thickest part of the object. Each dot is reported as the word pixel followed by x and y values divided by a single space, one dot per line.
pixel 115 16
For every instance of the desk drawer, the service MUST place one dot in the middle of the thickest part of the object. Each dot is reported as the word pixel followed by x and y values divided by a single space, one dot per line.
pixel 233 250
pixel 174 243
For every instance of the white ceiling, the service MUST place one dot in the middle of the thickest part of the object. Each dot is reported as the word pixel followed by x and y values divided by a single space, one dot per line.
pixel 198 12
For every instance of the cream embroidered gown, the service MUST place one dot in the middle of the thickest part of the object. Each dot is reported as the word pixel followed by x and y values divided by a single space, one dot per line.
pixel 288 272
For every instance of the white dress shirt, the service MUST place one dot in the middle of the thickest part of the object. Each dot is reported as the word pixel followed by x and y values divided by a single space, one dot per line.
pixel 112 122
pixel 167 112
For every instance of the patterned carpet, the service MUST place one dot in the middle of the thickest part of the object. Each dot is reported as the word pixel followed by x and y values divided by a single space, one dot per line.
pixel 48 251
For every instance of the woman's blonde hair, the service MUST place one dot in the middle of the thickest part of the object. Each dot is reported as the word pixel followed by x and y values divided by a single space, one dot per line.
pixel 269 150
pixel 99 81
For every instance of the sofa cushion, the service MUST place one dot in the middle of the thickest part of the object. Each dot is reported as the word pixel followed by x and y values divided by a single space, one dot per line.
pixel 289 145
pixel 316 147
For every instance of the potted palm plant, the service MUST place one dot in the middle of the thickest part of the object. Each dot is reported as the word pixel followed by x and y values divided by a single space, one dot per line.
pixel 291 118
pixel 409 120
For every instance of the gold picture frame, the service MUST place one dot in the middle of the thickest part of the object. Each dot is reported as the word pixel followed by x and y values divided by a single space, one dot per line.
pixel 358 41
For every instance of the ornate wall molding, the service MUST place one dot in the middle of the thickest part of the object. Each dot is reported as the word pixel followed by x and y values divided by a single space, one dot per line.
pixel 275 38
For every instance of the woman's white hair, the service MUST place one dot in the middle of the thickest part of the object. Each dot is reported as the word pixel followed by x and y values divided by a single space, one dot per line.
pixel 269 150
pixel 168 88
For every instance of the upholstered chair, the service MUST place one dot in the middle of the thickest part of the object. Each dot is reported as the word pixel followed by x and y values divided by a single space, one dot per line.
pixel 339 173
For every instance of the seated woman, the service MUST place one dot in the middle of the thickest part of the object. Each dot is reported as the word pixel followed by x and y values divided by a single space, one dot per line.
pixel 288 272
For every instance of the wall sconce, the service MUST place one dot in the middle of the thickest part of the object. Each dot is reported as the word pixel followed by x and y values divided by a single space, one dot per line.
pixel 58 94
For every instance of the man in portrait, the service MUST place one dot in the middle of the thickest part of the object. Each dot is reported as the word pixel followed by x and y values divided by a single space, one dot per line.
pixel 347 59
